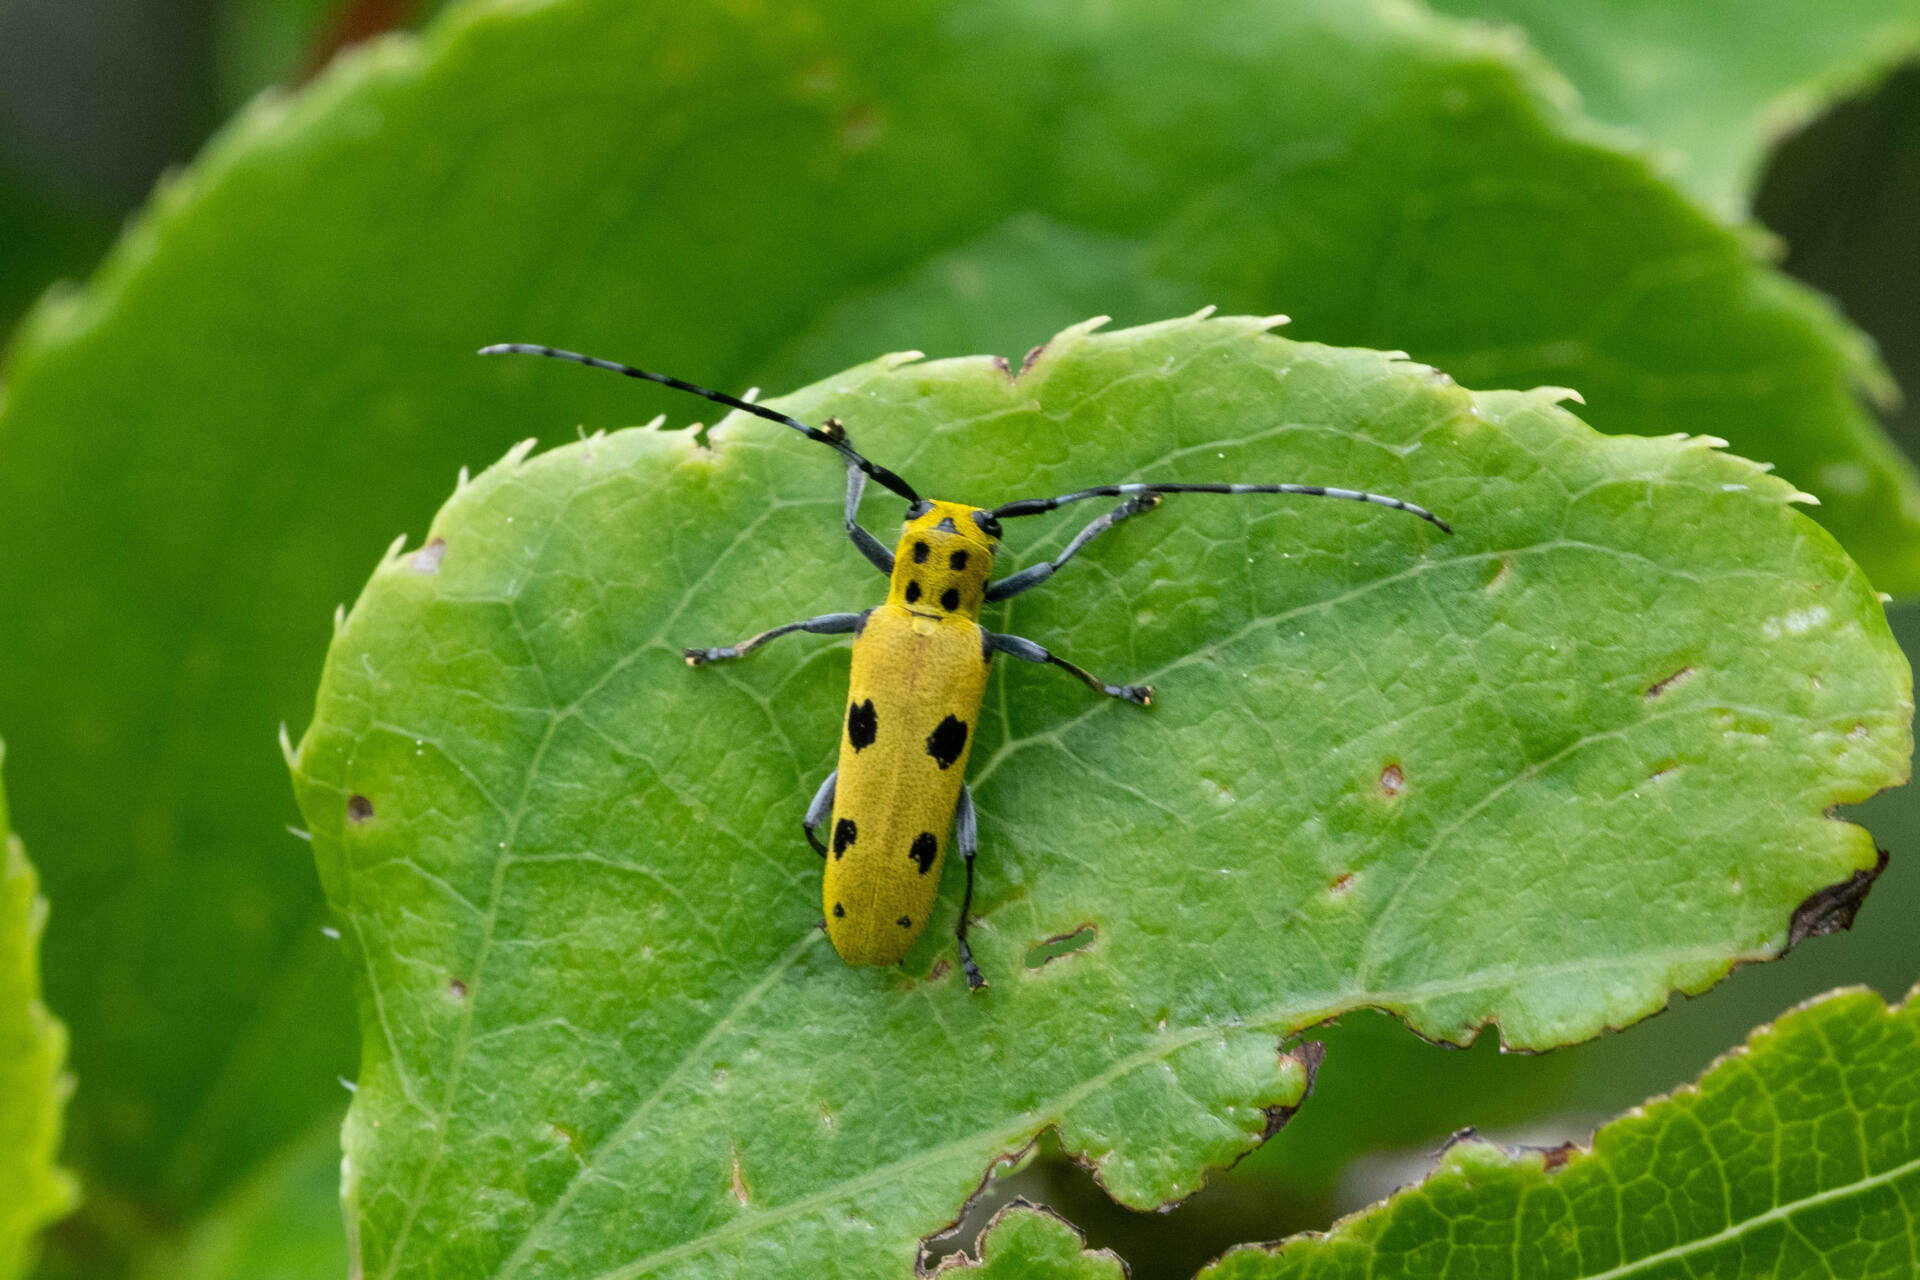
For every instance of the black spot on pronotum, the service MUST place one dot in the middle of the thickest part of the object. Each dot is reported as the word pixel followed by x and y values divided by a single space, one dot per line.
pixel 947 741
pixel 913 592
pixel 839 912
pixel 844 834
pixel 862 724
pixel 950 599
pixel 905 922
pixel 359 808
pixel 957 561
pixel 919 553
pixel 946 525
pixel 925 846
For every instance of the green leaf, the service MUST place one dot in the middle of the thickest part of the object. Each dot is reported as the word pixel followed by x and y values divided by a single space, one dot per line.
pixel 1027 1242
pixel 1539 773
pixel 1798 1155
pixel 33 1049
pixel 200 453
pixel 1714 83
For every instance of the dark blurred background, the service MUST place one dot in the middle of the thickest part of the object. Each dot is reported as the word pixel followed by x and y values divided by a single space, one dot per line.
pixel 98 98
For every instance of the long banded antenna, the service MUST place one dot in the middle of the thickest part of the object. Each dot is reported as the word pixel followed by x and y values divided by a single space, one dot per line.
pixel 1035 506
pixel 833 434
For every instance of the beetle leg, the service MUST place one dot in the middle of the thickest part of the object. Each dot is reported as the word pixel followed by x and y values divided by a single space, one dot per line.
pixel 1034 575
pixel 966 834
pixel 1027 651
pixel 870 547
pixel 827 624
pixel 818 811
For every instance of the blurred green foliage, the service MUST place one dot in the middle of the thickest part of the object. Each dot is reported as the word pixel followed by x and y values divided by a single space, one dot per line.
pixel 33 1047
pixel 176 582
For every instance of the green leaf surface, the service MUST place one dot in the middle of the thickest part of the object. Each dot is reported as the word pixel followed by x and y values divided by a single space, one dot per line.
pixel 200 453
pixel 1538 774
pixel 1795 1156
pixel 33 1050
pixel 1026 1242
pixel 1712 83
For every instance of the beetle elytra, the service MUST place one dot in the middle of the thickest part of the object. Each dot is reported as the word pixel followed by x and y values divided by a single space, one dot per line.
pixel 920 661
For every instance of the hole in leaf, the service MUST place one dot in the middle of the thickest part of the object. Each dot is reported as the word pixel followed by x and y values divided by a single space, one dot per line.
pixel 1060 945
pixel 359 808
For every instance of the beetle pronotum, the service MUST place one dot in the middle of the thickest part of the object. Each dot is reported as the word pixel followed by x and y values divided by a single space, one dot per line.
pixel 920 664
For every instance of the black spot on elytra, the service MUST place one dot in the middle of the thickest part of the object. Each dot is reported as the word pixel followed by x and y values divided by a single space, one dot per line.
pixel 913 592
pixel 862 724
pixel 947 741
pixel 950 599
pixel 905 922
pixel 844 834
pixel 919 553
pixel 839 912
pixel 958 560
pixel 925 846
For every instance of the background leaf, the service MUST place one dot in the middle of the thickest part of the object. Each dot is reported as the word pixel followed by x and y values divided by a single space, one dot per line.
pixel 33 1048
pixel 1798 1155
pixel 200 453
pixel 1536 774
pixel 1714 83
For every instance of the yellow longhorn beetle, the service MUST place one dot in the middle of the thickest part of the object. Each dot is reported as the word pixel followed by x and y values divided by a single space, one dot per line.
pixel 919 671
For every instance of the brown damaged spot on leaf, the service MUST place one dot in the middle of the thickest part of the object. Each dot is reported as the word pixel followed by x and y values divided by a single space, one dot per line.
pixel 1678 678
pixel 1308 1055
pixel 359 809
pixel 1393 780
pixel 740 1191
pixel 1555 1158
pixel 1341 883
pixel 1032 356
pixel 427 559
pixel 1832 909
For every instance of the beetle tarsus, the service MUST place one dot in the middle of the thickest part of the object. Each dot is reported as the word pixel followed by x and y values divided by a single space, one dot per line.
pixel 976 981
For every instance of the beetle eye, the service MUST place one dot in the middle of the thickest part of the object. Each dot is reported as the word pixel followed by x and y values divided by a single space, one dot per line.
pixel 989 525
pixel 919 509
